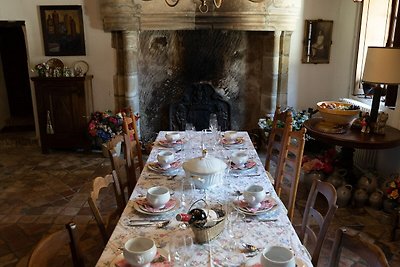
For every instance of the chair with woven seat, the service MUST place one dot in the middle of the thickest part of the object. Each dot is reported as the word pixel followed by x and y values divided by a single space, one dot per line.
pixel 289 179
pixel 46 251
pixel 317 217
pixel 107 219
pixel 130 128
pixel 358 244
pixel 278 142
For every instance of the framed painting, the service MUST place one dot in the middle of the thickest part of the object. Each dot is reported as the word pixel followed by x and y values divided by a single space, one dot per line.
pixel 317 41
pixel 62 28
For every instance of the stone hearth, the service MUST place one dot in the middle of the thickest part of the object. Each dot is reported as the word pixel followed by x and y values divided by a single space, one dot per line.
pixel 241 49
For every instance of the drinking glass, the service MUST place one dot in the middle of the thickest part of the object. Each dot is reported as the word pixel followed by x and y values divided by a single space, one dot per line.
pixel 181 249
pixel 213 122
pixel 189 132
pixel 187 191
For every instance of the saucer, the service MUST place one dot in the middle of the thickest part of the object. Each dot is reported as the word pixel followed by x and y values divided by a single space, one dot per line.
pixel 141 205
pixel 255 262
pixel 268 204
pixel 161 260
pixel 237 141
pixel 156 167
pixel 249 165
pixel 166 143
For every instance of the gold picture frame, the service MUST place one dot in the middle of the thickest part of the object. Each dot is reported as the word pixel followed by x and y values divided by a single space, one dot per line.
pixel 317 41
pixel 63 32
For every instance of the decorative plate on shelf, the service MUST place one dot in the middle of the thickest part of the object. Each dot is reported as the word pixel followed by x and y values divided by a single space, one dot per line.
pixel 55 63
pixel 81 67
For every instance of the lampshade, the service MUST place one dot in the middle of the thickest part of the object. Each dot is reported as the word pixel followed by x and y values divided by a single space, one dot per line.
pixel 382 65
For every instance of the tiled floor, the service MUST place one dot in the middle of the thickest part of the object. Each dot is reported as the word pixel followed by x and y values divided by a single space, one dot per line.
pixel 40 193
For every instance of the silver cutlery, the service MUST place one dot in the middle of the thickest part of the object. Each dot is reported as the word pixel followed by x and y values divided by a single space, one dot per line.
pixel 159 224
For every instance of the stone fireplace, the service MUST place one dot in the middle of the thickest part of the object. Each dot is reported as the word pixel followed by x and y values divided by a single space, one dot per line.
pixel 241 49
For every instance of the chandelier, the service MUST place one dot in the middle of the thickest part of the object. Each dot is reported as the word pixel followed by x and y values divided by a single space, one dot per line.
pixel 203 7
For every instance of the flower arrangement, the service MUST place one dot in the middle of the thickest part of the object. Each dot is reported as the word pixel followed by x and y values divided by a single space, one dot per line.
pixel 105 125
pixel 393 189
pixel 41 69
pixel 322 162
pixel 299 117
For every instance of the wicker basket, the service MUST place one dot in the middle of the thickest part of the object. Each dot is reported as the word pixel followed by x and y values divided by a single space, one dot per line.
pixel 205 234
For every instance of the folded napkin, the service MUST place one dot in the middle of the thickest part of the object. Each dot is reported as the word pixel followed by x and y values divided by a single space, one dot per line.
pixel 145 205
pixel 159 261
pixel 265 205
pixel 248 165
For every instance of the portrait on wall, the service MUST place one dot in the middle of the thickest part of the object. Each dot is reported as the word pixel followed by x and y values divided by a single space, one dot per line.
pixel 62 28
pixel 317 41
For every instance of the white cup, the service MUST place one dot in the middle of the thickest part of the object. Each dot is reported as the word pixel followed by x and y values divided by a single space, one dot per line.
pixel 158 196
pixel 140 251
pixel 239 158
pixel 165 158
pixel 277 256
pixel 253 195
pixel 231 135
pixel 172 136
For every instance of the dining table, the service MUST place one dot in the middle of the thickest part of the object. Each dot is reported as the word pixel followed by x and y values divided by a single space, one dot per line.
pixel 262 229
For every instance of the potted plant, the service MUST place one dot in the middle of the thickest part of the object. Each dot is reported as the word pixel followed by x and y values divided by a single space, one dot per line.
pixel 103 126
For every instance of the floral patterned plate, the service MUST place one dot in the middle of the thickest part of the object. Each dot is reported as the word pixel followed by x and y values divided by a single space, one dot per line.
pixel 267 205
pixel 155 167
pixel 248 166
pixel 255 262
pixel 237 141
pixel 161 260
pixel 141 205
pixel 168 144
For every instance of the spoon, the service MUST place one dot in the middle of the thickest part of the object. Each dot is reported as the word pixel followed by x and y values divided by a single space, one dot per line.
pixel 250 248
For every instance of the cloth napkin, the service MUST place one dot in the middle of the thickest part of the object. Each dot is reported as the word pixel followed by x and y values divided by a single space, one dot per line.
pixel 145 205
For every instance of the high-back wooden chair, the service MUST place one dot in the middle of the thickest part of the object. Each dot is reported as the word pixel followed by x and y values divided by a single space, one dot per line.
pixel 353 240
pixel 130 128
pixel 317 217
pixel 120 166
pixel 106 221
pixel 289 180
pixel 48 247
pixel 278 142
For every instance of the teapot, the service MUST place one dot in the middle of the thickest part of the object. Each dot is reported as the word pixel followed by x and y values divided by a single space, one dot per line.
pixel 368 182
pixel 376 199
pixel 337 177
pixel 344 195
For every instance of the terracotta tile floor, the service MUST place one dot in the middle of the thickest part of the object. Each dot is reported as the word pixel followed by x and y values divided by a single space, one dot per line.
pixel 40 193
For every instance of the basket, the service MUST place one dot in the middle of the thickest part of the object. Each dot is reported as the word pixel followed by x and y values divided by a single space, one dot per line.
pixel 206 234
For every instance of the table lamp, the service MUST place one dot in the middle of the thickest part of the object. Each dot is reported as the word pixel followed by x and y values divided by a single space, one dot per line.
pixel 382 67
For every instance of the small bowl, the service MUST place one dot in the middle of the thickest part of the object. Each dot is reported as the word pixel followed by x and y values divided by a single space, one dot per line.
pixel 335 112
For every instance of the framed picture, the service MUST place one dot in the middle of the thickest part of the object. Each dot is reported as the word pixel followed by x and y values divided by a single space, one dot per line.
pixel 317 41
pixel 62 28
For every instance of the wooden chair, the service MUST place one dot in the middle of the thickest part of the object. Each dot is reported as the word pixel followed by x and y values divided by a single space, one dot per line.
pixel 130 128
pixel 317 217
pixel 289 180
pixel 106 223
pixel 353 240
pixel 48 247
pixel 118 164
pixel 278 142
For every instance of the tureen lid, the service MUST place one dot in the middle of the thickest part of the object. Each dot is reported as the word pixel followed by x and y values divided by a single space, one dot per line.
pixel 204 165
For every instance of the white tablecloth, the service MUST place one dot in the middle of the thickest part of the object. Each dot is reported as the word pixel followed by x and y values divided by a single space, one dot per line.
pixel 217 252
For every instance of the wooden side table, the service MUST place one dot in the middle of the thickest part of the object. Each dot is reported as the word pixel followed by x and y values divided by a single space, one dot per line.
pixel 352 139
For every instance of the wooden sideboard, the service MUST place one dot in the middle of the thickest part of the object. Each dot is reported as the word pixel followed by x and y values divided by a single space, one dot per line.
pixel 63 106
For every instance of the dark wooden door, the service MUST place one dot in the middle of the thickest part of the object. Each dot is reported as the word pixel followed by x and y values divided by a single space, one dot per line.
pixel 15 68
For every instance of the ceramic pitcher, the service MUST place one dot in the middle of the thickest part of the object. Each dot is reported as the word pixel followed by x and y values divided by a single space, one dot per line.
pixel 337 177
pixel 376 199
pixel 344 195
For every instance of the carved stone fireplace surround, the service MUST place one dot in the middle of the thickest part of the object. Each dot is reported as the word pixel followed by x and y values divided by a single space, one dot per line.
pixel 273 21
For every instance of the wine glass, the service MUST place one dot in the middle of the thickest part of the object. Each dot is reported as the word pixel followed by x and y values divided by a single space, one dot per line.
pixel 181 249
pixel 187 190
pixel 189 132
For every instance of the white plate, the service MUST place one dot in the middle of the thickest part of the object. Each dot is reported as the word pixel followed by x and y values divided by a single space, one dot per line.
pixel 164 253
pixel 168 144
pixel 255 262
pixel 155 167
pixel 258 212
pixel 82 65
pixel 143 210
pixel 238 141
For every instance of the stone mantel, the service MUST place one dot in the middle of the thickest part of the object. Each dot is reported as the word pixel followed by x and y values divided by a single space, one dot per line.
pixel 131 15
pixel 247 64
